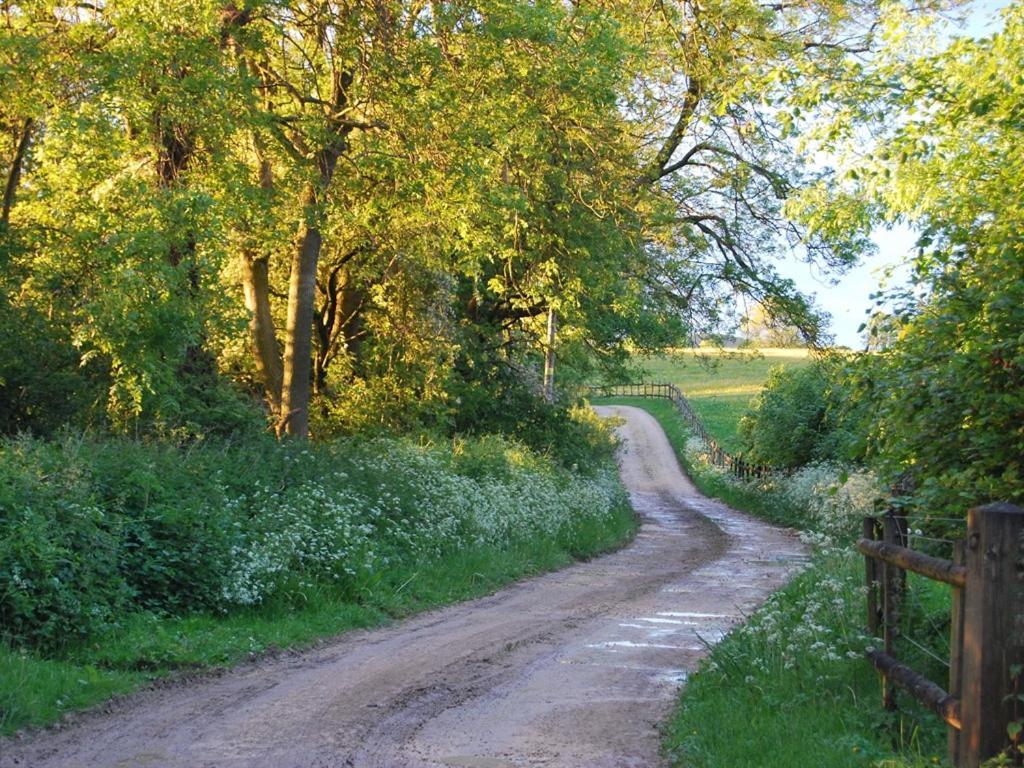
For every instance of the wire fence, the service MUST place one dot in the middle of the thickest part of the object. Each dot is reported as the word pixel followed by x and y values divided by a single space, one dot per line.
pixel 981 651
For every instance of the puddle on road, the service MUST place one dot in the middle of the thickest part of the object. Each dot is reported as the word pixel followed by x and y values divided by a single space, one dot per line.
pixel 609 644
pixel 660 621
pixel 651 631
pixel 675 677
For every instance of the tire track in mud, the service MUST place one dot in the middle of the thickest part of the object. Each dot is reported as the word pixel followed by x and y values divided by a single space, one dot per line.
pixel 573 669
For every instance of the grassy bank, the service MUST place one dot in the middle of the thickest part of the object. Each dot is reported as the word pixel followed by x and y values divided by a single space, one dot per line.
pixel 122 563
pixel 720 383
pixel 791 687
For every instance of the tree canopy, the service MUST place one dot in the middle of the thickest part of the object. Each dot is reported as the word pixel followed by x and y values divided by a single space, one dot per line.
pixel 952 385
pixel 928 132
pixel 356 213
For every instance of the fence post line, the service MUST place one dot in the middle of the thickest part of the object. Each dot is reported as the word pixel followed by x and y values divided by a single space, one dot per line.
pixel 993 640
pixel 871 577
pixel 956 649
pixel 893 580
pixel 718 456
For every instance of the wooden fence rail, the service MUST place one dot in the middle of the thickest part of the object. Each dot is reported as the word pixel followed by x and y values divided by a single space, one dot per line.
pixel 982 706
pixel 737 465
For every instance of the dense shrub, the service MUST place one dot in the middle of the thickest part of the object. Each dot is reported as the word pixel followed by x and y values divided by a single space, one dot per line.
pixel 787 419
pixel 44 384
pixel 91 529
pixel 59 569
pixel 507 404
pixel 948 396
pixel 806 415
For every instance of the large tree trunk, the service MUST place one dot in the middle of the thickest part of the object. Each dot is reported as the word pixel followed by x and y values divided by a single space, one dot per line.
pixel 262 336
pixel 266 351
pixel 298 348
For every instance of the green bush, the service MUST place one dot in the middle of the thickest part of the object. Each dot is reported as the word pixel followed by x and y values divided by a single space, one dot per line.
pixel 44 384
pixel 788 417
pixel 805 415
pixel 507 405
pixel 60 576
pixel 91 530
pixel 171 510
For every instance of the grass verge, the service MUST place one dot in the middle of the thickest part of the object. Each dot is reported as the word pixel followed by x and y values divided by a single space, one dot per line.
pixel 36 691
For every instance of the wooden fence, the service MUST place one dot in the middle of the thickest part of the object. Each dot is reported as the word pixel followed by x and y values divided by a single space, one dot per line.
pixel 737 465
pixel 984 706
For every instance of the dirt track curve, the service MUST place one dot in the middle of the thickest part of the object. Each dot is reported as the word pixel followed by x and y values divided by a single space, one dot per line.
pixel 571 669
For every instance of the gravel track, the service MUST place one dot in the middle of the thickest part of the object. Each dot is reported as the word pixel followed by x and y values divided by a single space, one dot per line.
pixel 573 669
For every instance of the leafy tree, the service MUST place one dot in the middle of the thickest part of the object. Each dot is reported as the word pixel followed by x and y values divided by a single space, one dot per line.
pixel 808 414
pixel 356 211
pixel 759 329
pixel 948 393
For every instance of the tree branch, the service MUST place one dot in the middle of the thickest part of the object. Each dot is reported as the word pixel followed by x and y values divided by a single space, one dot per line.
pixel 694 92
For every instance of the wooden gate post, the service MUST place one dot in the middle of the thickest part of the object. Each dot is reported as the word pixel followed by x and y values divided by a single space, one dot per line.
pixel 871 570
pixel 993 635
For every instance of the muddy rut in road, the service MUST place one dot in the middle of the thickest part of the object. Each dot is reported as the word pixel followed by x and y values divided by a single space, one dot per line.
pixel 571 669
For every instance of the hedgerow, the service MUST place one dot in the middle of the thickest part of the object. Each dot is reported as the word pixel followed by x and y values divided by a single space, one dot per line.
pixel 92 530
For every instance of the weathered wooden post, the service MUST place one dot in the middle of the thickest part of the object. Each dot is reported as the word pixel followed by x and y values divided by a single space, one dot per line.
pixel 956 640
pixel 993 631
pixel 894 581
pixel 871 577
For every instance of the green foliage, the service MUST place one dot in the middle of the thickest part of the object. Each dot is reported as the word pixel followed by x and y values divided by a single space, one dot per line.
pixel 947 390
pixel 804 415
pixel 43 385
pixel 93 530
pixel 501 159
pixel 59 563
pixel 504 403
pixel 286 564
pixel 785 424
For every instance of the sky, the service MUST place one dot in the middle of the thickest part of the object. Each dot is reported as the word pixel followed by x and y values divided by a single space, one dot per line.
pixel 847 300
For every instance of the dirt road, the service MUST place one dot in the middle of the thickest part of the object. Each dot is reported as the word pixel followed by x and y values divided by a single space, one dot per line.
pixel 572 669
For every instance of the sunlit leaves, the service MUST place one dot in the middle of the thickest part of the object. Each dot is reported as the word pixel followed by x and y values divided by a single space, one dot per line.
pixel 947 389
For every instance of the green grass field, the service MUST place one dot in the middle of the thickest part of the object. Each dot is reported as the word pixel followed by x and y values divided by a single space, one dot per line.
pixel 721 383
